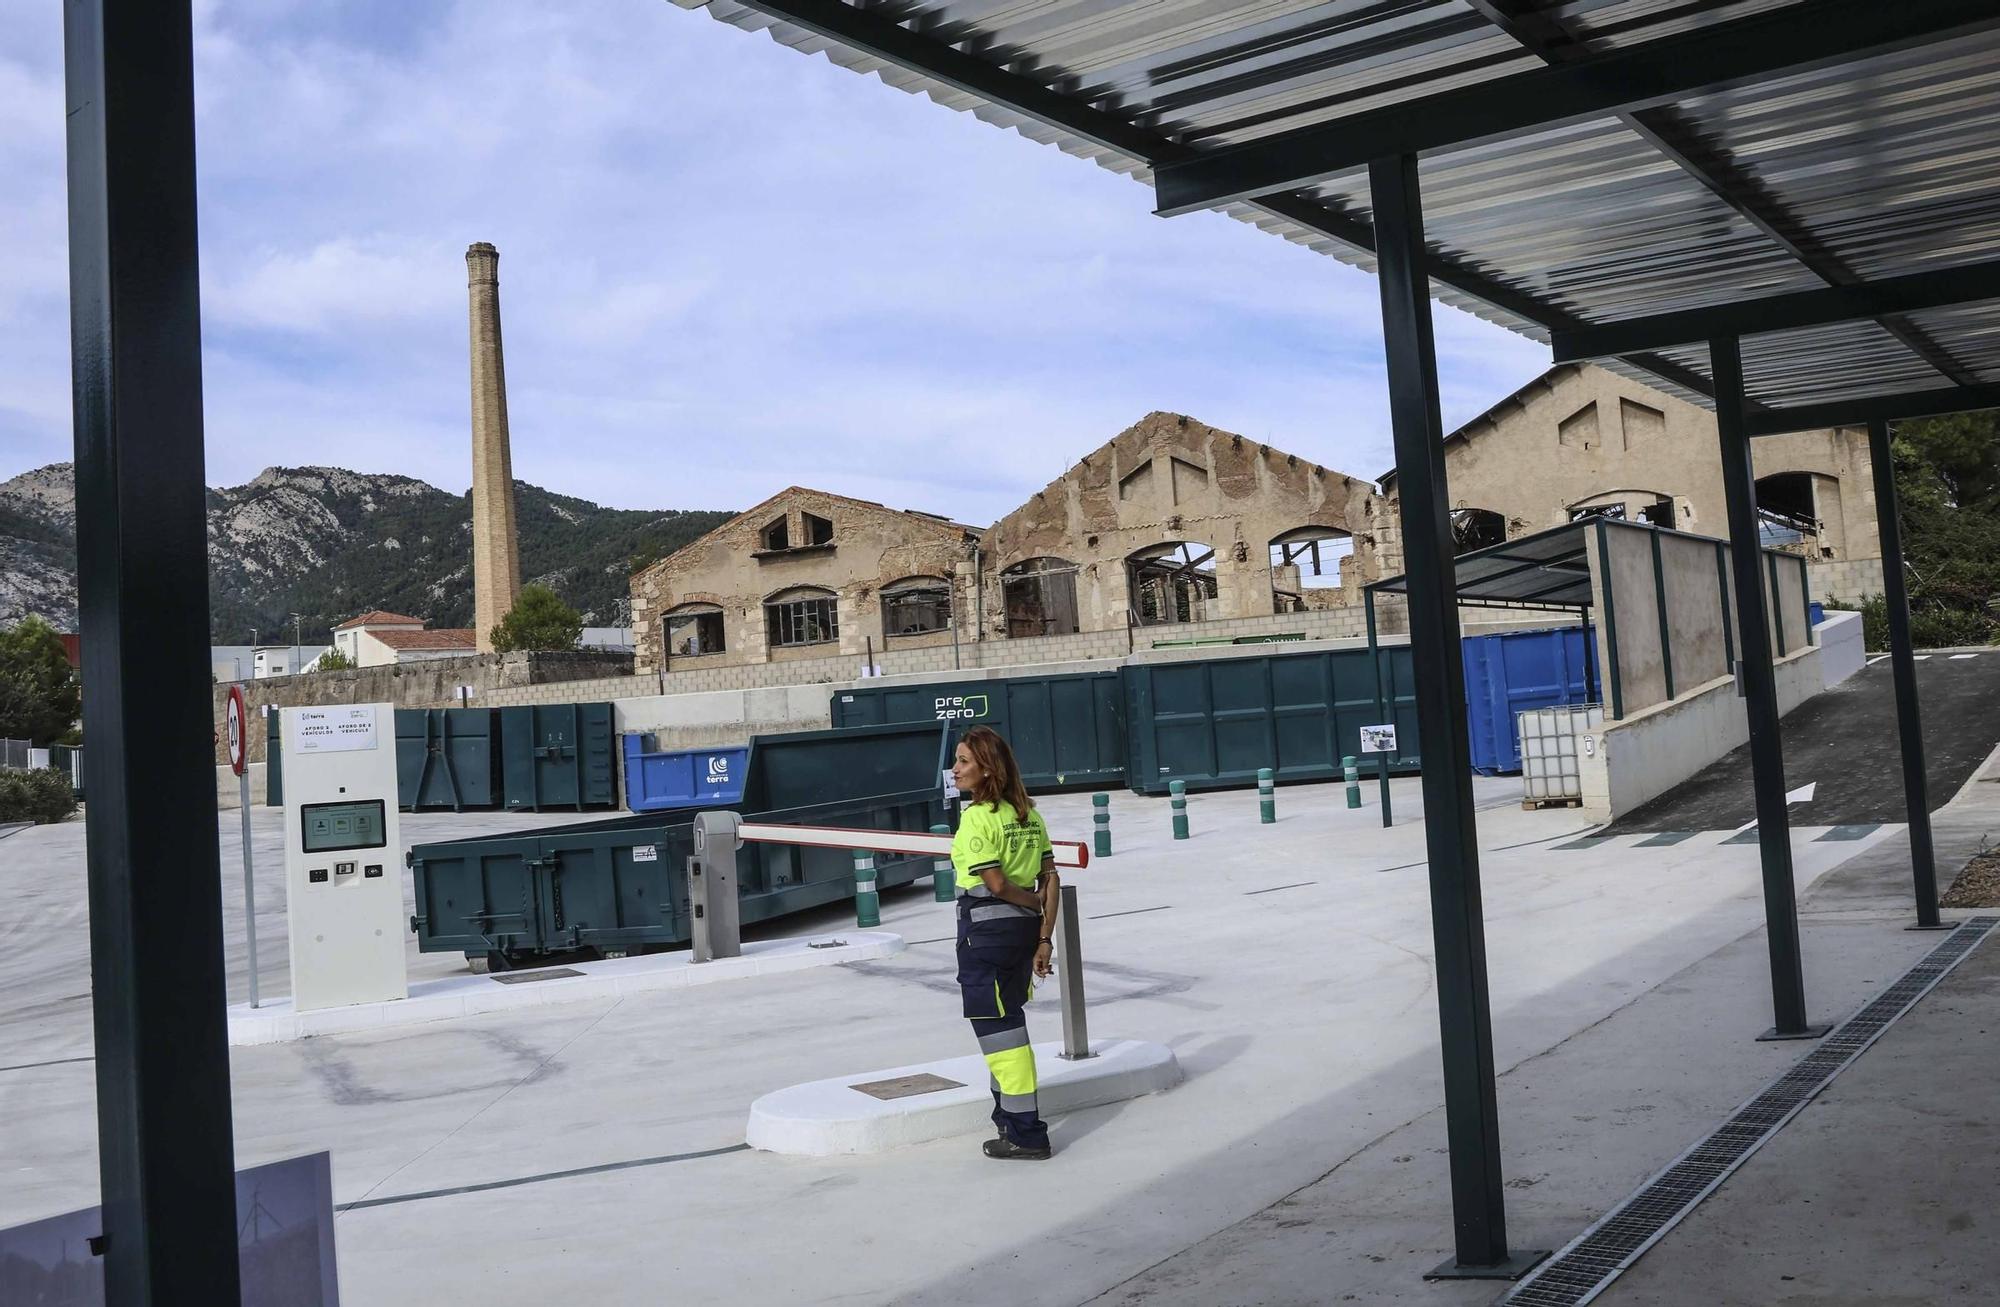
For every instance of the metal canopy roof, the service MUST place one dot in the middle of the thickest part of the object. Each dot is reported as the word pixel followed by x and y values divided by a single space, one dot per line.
pixel 1703 153
pixel 1550 569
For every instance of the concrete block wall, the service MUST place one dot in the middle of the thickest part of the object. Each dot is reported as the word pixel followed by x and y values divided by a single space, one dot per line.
pixel 1846 581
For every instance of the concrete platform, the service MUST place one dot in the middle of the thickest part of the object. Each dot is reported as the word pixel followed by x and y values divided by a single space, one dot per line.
pixel 826 1117
pixel 461 996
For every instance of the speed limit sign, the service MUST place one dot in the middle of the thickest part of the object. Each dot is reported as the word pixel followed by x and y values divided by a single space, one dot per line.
pixel 235 726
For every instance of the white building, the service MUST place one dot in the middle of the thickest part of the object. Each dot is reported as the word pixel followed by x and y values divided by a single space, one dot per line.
pixel 284 659
pixel 377 638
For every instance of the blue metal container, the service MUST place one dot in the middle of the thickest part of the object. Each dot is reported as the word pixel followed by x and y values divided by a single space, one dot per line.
pixel 1817 610
pixel 682 778
pixel 1513 671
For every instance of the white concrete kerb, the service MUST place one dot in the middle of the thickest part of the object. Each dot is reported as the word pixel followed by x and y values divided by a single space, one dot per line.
pixel 458 996
pixel 827 1117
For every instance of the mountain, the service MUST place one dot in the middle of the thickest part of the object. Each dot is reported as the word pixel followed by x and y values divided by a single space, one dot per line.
pixel 326 544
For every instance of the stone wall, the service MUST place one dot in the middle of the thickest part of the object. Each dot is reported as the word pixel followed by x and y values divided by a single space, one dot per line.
pixel 733 570
pixel 1580 435
pixel 494 678
pixel 1847 581
pixel 1168 479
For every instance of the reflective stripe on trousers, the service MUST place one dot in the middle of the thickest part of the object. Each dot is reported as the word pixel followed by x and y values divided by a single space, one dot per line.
pixel 996 955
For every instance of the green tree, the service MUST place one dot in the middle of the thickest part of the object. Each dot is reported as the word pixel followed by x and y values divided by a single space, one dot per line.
pixel 333 660
pixel 539 620
pixel 1948 482
pixel 40 697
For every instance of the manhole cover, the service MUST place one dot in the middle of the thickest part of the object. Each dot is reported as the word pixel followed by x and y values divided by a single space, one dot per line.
pixel 530 977
pixel 907 1086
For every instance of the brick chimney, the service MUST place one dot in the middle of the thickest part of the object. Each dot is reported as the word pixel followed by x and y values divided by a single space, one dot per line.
pixel 496 563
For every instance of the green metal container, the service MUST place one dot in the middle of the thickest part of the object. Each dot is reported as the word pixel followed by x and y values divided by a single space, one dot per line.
pixel 621 884
pixel 446 759
pixel 1065 730
pixel 558 756
pixel 1214 723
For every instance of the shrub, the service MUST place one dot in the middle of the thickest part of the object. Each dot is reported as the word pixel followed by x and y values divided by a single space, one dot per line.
pixel 1931 626
pixel 40 795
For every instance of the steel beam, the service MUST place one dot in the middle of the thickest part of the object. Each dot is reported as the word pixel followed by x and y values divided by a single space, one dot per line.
pixel 1794 39
pixel 165 1153
pixel 882 38
pixel 1902 659
pixel 1810 308
pixel 1465 1020
pixel 1760 694
pixel 1692 150
pixel 1866 409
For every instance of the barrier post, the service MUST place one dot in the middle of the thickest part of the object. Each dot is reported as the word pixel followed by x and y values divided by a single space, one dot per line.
pixel 1177 798
pixel 1353 774
pixel 1267 797
pixel 867 903
pixel 1069 958
pixel 1100 821
pixel 943 888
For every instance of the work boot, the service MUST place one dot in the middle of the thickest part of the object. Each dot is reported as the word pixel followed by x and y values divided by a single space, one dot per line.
pixel 1005 1149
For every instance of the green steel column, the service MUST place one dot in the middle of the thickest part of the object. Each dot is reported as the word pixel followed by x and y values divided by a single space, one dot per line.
pixel 867 903
pixel 1267 798
pixel 1352 772
pixel 1100 821
pixel 943 886
pixel 1177 799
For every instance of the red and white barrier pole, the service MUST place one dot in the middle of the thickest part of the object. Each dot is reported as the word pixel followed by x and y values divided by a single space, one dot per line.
pixel 1069 853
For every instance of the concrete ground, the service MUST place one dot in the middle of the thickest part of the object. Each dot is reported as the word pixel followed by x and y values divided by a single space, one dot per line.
pixel 1843 742
pixel 1288 966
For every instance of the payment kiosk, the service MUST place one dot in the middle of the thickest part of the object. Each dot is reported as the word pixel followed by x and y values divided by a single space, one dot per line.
pixel 343 856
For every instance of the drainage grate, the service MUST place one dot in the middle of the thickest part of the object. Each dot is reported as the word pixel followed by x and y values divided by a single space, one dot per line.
pixel 1600 1254
pixel 530 977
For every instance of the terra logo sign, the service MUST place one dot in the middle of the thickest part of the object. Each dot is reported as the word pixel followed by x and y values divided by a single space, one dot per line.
pixel 718 771
pixel 961 707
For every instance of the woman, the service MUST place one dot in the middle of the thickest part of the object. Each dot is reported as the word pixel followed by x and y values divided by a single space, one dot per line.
pixel 1007 897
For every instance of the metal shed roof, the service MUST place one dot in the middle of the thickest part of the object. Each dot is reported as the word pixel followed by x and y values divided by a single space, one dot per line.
pixel 1772 159
pixel 1549 569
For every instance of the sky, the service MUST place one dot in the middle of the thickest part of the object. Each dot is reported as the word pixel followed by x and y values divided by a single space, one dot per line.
pixel 725 268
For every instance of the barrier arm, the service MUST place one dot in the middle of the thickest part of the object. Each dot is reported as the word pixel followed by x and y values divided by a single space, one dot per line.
pixel 1072 854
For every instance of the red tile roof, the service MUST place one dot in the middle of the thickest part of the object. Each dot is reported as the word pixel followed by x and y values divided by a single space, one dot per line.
pixel 451 638
pixel 376 617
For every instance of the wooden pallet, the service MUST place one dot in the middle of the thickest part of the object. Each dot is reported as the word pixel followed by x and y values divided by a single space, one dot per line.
pixel 1571 801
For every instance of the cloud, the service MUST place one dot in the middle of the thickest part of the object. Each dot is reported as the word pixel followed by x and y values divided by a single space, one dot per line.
pixel 725 268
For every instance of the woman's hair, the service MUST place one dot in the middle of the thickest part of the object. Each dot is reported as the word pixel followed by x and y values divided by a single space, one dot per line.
pixel 1000 775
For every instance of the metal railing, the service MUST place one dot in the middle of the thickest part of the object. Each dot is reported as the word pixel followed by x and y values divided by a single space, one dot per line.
pixel 14 754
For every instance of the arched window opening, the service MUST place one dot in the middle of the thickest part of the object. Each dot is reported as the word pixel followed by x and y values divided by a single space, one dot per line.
pixel 917 605
pixel 1306 564
pixel 1039 595
pixel 1476 528
pixel 1787 511
pixel 1172 583
pixel 802 616
pixel 693 630
pixel 1626 506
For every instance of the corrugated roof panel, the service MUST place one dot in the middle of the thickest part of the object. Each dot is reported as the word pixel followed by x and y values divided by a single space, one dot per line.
pixel 1884 166
pixel 1974 333
pixel 1892 163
